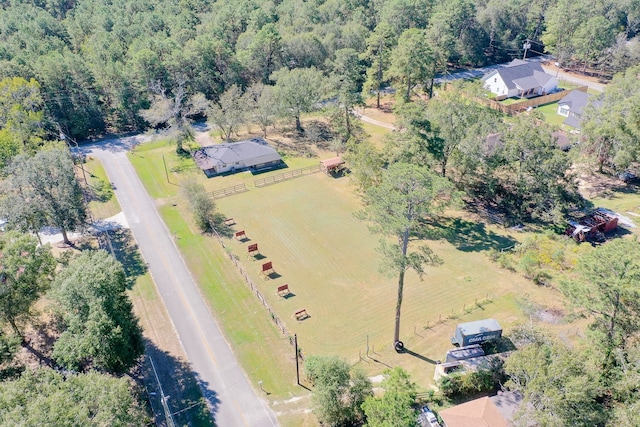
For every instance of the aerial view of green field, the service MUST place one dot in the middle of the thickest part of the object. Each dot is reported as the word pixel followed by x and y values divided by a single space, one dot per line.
pixel 307 229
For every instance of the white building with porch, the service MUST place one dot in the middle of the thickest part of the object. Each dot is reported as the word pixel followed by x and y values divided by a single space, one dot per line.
pixel 520 79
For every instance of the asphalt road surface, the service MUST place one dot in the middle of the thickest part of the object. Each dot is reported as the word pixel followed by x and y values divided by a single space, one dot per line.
pixel 232 400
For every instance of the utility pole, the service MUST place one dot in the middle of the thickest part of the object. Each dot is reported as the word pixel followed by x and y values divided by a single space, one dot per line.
pixel 526 46
pixel 167 413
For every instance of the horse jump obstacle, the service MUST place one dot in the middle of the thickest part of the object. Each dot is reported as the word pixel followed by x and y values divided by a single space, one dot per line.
pixel 252 250
pixel 267 269
pixel 301 314
pixel 240 235
pixel 283 291
pixel 229 221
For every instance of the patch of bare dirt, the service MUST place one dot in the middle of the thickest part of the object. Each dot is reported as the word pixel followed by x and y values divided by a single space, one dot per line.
pixel 593 184
pixel 549 316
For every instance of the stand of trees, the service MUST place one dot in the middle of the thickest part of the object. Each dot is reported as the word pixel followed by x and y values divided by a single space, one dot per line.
pixel 98 66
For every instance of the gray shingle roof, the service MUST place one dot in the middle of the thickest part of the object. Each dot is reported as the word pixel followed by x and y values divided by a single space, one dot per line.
pixel 576 100
pixel 523 75
pixel 573 121
pixel 247 153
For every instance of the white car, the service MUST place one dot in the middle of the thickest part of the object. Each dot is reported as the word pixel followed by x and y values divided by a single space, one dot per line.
pixel 428 418
pixel 432 420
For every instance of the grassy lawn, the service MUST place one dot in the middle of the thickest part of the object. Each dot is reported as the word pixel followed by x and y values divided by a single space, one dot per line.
pixel 306 227
pixel 376 133
pixel 104 203
pixel 328 259
pixel 550 113
pixel 510 101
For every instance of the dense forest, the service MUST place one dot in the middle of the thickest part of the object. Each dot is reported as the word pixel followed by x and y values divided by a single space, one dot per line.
pixel 96 64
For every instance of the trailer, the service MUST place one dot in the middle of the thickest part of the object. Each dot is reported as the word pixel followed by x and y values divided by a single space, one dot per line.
pixel 476 332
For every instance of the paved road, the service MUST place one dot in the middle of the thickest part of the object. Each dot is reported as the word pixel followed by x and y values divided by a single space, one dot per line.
pixel 233 401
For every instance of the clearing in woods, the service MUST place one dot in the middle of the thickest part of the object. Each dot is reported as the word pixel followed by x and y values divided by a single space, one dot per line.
pixel 307 228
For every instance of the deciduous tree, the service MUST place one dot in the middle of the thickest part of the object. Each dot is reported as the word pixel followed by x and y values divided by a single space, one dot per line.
pixel 21 118
pixel 556 385
pixel 99 327
pixel 43 397
pixel 201 204
pixel 27 272
pixel 611 124
pixel 261 105
pixel 395 408
pixel 608 290
pixel 338 391
pixel 297 91
pixel 43 190
pixel 534 179
pixel 174 110
pixel 228 113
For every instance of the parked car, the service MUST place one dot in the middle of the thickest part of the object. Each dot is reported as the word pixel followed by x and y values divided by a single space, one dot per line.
pixel 627 177
pixel 427 418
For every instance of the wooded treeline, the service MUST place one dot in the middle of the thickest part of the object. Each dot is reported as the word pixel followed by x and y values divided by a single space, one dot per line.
pixel 99 63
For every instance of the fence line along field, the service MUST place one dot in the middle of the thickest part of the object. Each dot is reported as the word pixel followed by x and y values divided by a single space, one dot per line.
pixel 307 229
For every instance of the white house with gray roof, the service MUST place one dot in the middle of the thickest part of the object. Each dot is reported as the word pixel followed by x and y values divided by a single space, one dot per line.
pixel 520 79
pixel 253 154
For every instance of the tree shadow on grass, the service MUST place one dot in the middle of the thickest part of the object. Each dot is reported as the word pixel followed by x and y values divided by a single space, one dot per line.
pixel 189 399
pixel 126 251
pixel 466 236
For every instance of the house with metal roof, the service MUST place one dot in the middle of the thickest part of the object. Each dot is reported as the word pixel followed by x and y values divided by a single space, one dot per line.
pixel 496 411
pixel 519 79
pixel 254 155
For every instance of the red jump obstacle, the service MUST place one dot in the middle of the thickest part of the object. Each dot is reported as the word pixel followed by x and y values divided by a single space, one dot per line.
pixel 240 235
pixel 253 249
pixel 301 314
pixel 283 291
pixel 267 267
pixel 229 221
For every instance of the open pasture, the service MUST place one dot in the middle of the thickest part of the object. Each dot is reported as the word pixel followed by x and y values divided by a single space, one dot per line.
pixel 306 227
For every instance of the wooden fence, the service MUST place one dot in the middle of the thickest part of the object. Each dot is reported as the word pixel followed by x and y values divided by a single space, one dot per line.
pixel 254 289
pixel 518 107
pixel 229 191
pixel 273 179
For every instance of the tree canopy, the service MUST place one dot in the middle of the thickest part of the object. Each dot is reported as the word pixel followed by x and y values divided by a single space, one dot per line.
pixel 45 397
pixel 43 190
pixel 338 391
pixel 99 328
pixel 27 273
